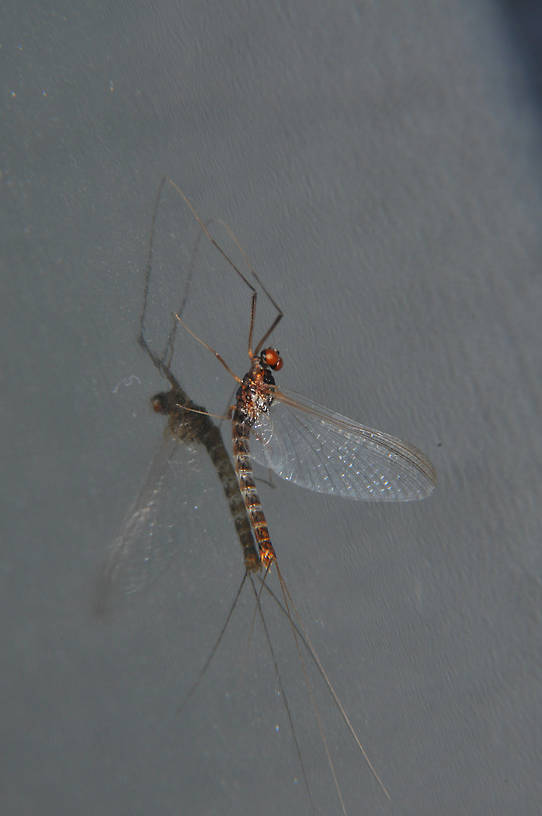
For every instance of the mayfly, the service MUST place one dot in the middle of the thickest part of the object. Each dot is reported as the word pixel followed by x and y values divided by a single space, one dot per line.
pixel 392 471
pixel 301 441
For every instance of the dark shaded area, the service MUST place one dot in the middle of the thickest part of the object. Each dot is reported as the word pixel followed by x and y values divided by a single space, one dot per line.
pixel 523 22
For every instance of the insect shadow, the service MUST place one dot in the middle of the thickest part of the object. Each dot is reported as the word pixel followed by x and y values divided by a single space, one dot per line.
pixel 147 542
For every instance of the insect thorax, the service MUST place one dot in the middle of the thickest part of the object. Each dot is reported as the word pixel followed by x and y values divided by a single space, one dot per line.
pixel 255 394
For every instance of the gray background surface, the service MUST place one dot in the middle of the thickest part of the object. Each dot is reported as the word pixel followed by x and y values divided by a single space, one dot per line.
pixel 381 164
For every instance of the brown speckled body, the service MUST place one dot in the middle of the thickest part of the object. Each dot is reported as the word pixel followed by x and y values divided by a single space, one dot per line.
pixel 254 396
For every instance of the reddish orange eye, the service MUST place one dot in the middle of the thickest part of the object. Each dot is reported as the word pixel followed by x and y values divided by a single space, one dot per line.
pixel 272 358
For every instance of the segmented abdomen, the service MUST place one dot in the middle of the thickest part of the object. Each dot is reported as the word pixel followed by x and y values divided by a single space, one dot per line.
pixel 245 477
pixel 243 524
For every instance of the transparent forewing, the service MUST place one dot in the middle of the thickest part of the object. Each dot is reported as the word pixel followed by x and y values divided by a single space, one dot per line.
pixel 323 451
pixel 168 515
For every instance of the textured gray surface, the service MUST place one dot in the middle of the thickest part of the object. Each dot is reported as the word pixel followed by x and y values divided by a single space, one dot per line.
pixel 381 164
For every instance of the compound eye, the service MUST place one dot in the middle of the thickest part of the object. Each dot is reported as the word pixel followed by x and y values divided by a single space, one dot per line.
pixel 272 358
